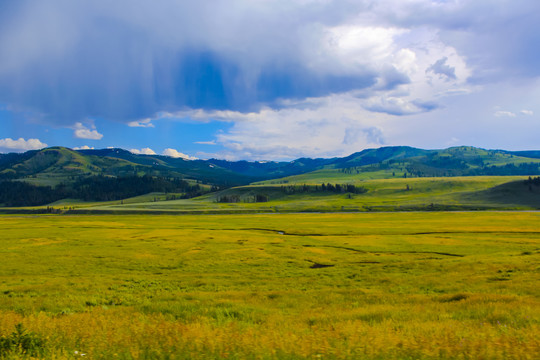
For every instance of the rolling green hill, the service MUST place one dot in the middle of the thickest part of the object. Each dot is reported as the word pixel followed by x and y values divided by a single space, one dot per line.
pixel 397 162
pixel 59 173
pixel 56 165
pixel 411 194
pixel 206 171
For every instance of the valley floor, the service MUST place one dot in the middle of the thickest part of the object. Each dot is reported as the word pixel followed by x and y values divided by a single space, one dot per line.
pixel 402 285
pixel 378 195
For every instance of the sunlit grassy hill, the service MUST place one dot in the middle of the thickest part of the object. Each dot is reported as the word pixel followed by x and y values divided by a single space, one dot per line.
pixel 78 175
pixel 396 162
pixel 411 194
pixel 56 165
pixel 206 171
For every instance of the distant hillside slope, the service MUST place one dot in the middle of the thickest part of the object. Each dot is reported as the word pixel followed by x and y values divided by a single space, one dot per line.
pixel 52 174
pixel 205 171
pixel 56 165
pixel 392 162
pixel 530 154
pixel 374 156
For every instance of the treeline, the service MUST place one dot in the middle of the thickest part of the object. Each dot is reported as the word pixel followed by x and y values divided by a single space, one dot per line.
pixel 95 188
pixel 493 170
pixel 533 181
pixel 249 199
pixel 18 193
pixel 328 187
pixel 447 167
pixel 101 188
pixel 293 189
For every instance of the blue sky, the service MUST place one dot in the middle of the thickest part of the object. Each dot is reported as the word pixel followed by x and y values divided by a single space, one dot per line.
pixel 269 80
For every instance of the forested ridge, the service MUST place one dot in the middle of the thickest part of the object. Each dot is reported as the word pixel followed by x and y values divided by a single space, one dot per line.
pixel 44 176
pixel 94 188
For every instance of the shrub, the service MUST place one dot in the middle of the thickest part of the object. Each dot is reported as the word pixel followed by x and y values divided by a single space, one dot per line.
pixel 22 342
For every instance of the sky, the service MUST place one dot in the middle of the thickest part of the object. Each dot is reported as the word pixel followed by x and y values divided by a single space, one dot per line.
pixel 269 79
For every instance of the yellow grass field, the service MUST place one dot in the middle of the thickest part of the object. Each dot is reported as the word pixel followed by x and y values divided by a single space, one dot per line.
pixel 437 285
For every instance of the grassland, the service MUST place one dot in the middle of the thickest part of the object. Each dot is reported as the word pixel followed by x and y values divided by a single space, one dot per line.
pixel 384 192
pixel 397 194
pixel 272 286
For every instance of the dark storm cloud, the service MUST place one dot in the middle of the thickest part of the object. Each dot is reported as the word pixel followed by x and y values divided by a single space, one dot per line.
pixel 66 61
pixel 126 60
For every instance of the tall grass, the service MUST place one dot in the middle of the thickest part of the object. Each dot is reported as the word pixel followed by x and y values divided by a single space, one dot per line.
pixel 395 286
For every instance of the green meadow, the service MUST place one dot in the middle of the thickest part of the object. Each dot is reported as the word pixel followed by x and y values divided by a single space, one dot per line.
pixel 398 285
pixel 394 194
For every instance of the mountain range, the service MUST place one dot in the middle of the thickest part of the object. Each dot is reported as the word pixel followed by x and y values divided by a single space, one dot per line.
pixel 55 165
pixel 45 176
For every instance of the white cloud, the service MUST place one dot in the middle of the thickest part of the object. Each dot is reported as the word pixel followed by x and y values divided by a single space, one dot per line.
pixel 502 113
pixel 527 112
pixel 354 48
pixel 324 127
pixel 176 154
pixel 82 132
pixel 22 144
pixel 145 123
pixel 143 151
pixel 84 147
